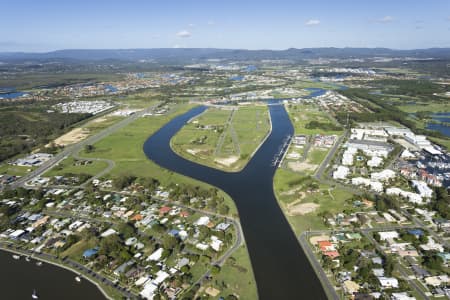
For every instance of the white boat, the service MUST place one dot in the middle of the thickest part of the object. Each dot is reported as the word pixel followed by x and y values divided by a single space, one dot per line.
pixel 39 263
pixel 78 279
pixel 15 256
pixel 28 259
pixel 34 295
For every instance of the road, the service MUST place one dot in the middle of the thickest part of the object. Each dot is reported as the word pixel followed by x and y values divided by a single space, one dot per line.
pixel 420 224
pixel 323 166
pixel 400 268
pixel 326 283
pixel 70 150
pixel 224 133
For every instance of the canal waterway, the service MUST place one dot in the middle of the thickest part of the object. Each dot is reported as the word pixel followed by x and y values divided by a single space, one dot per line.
pixel 281 268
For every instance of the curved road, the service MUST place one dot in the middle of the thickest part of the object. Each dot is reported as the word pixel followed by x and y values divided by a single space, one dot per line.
pixel 281 268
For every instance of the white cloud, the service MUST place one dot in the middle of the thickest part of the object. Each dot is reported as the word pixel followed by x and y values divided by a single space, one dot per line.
pixel 191 25
pixel 312 22
pixel 183 34
pixel 211 22
pixel 385 19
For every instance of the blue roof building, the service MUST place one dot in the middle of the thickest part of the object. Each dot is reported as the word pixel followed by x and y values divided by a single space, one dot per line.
pixel 90 252
pixel 416 232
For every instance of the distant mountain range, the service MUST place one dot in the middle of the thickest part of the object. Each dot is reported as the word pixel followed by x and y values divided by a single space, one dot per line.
pixel 210 53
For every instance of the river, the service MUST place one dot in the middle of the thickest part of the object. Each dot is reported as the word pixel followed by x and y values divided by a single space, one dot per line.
pixel 19 278
pixel 281 268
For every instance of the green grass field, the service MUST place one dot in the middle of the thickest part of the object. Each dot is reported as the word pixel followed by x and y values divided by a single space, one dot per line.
pixel 317 155
pixel 426 106
pixel 220 144
pixel 14 170
pixel 69 166
pixel 238 276
pixel 293 190
pixel 301 115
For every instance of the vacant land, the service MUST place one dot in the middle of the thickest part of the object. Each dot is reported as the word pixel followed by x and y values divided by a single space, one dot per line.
pixel 15 170
pixel 305 201
pixel 237 275
pixel 74 166
pixel 223 138
pixel 80 133
pixel 302 115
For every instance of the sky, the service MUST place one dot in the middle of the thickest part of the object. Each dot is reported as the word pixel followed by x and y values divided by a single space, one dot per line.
pixel 46 25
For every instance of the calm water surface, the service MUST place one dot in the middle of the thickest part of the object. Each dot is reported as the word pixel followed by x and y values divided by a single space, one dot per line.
pixel 281 269
pixel 18 279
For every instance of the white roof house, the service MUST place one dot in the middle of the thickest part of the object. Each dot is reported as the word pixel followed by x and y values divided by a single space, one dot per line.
pixel 202 246
pixel 437 280
pixel 384 235
pixel 149 291
pixel 160 277
pixel 155 256
pixel 374 185
pixel 383 175
pixel 108 232
pixel 202 221
pixel 341 172
pixel 401 296
pixel 216 243
pixel 412 197
pixel 432 245
pixel 422 188
pixel 388 282
pixel 374 162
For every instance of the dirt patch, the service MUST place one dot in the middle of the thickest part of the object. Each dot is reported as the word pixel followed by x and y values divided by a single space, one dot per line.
pixel 100 120
pixel 71 137
pixel 301 166
pixel 76 134
pixel 302 209
pixel 228 161
pixel 212 291
pixel 193 151
pixel 290 192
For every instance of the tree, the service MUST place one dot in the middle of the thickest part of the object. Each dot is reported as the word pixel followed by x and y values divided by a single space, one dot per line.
pixel 433 261
pixel 123 181
pixel 169 241
pixel 388 264
pixel 89 148
pixel 215 269
pixel 110 246
pixel 127 230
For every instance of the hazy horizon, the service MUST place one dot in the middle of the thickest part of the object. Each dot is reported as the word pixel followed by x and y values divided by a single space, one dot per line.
pixel 49 25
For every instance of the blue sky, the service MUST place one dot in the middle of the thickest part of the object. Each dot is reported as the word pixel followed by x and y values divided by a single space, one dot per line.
pixel 43 25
